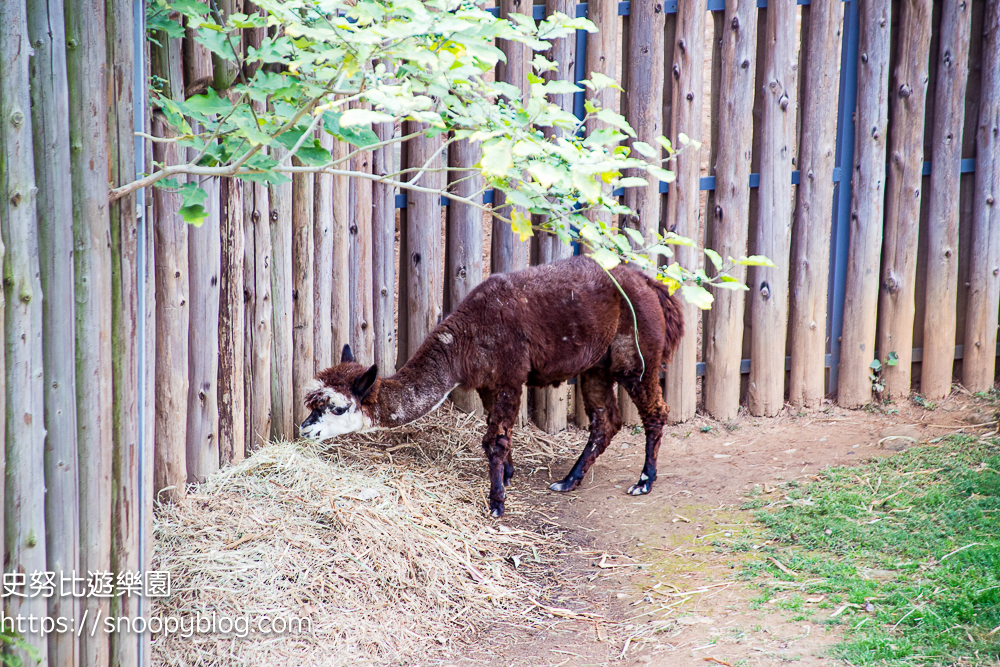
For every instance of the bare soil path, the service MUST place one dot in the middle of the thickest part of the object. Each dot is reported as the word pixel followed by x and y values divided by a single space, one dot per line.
pixel 645 585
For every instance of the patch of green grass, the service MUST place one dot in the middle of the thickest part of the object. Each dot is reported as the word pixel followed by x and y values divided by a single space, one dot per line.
pixel 910 543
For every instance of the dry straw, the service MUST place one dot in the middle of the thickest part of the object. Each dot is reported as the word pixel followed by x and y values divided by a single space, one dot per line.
pixel 380 541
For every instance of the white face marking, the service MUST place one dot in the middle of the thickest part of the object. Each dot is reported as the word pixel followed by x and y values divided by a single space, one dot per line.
pixel 330 424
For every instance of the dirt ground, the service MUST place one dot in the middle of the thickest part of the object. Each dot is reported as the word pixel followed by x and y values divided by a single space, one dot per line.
pixel 644 585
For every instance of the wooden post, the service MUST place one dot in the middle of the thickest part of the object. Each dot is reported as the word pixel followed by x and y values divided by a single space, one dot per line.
pixel 86 32
pixel 551 403
pixel 979 364
pixel 464 255
pixel 867 196
pixel 340 318
pixel 508 253
pixel 257 286
pixel 303 363
pixel 323 246
pixel 813 215
pixel 359 217
pixel 943 218
pixel 24 414
pixel 683 199
pixel 172 321
pixel 903 189
pixel 729 219
pixel 125 498
pixel 384 256
pixel 232 323
pixel 282 402
pixel 769 286
pixel 50 128
pixel 423 237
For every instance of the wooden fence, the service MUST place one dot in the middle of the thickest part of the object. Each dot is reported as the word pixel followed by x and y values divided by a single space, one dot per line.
pixel 191 346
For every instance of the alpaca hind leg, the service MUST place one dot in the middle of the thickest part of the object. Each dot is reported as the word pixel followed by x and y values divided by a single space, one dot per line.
pixel 654 412
pixel 497 444
pixel 605 421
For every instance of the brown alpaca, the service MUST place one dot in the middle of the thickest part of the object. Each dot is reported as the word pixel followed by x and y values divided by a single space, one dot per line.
pixel 537 327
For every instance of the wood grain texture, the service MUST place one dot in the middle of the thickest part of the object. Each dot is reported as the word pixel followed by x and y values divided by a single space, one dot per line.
pixel 601 56
pixel 282 346
pixel 323 247
pixel 204 252
pixel 423 236
pixel 24 413
pixel 125 492
pixel 728 220
pixel 359 217
pixel 86 32
pixel 979 365
pixel 464 253
pixel 814 201
pixel 259 317
pixel 867 197
pixel 232 323
pixel 340 300
pixel 903 193
pixel 769 285
pixel 942 229
pixel 303 361
pixel 50 141
pixel 384 256
pixel 684 197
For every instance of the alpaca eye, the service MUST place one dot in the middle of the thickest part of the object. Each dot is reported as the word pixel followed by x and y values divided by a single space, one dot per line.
pixel 339 411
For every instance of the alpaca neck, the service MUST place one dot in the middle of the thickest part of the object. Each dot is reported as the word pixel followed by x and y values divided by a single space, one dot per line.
pixel 420 387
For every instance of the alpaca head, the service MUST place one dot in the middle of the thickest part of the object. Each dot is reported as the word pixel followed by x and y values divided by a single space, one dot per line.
pixel 336 403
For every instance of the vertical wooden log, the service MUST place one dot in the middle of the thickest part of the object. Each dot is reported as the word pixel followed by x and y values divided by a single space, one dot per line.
pixel 280 217
pixel 729 219
pixel 50 128
pixel 148 379
pixel 384 255
pixel 232 324
pixel 601 56
pixel 172 321
pixel 942 228
pixel 423 237
pixel 867 197
pixel 508 253
pixel 361 280
pixel 303 363
pixel 340 300
pixel 769 285
pixel 683 200
pixel 903 189
pixel 257 286
pixel 86 32
pixel 551 403
pixel 814 200
pixel 24 414
pixel 323 264
pixel 464 256
pixel 979 364
pixel 125 489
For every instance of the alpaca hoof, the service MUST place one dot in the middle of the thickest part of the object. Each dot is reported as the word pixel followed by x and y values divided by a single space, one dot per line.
pixel 641 489
pixel 565 485
pixel 497 512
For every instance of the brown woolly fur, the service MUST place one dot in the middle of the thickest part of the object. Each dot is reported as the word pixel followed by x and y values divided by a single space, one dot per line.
pixel 537 327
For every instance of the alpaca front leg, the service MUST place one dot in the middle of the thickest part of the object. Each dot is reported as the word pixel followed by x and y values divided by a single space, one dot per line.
pixel 497 445
pixel 605 422
pixel 654 412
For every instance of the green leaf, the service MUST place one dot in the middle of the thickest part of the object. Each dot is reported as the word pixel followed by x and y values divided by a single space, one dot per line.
pixel 219 43
pixel 875 365
pixel 547 174
pixel 497 159
pixel 642 148
pixel 632 182
pixel 735 286
pixel 714 256
pixel 588 186
pixel 520 224
pixel 192 199
pixel 357 136
pixel 354 117
pixel 697 296
pixel 636 236
pixel 753 260
pixel 662 174
pixel 893 359
pixel 208 104
pixel 607 259
pixel 600 81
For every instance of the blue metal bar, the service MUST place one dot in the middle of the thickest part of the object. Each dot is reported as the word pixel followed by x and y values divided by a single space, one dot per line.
pixel 840 231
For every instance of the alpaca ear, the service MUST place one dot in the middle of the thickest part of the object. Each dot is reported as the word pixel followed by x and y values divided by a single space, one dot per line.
pixel 363 385
pixel 345 355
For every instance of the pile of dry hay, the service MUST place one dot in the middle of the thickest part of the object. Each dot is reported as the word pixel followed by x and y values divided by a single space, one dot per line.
pixel 389 562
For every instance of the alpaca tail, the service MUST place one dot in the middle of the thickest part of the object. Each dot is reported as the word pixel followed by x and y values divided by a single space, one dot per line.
pixel 673 315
